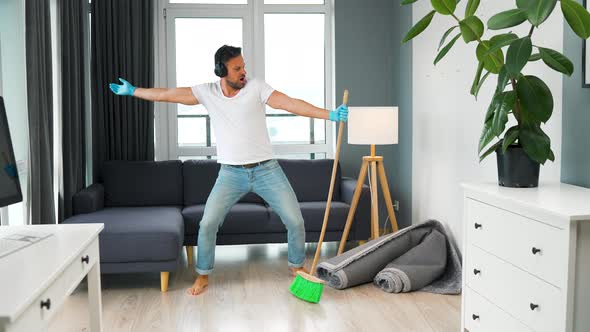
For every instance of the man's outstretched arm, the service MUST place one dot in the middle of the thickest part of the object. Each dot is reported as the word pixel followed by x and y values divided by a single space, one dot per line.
pixel 174 95
pixel 279 100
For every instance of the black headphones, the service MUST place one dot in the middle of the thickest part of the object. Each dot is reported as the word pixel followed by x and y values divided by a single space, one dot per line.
pixel 220 69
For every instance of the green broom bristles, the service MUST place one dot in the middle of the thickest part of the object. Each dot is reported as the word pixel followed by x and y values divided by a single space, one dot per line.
pixel 307 290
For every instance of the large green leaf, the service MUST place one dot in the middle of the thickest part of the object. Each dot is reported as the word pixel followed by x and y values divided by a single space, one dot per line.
pixel 577 17
pixel 489 151
pixel 487 134
pixel 535 143
pixel 407 2
pixel 502 80
pixel 496 117
pixel 446 49
pixel 471 28
pixel 535 57
pixel 507 19
pixel 537 10
pixel 557 61
pixel 445 35
pixel 503 106
pixel 471 8
pixel 499 41
pixel 419 27
pixel 510 137
pixel 492 62
pixel 518 55
pixel 551 155
pixel 445 7
pixel 524 4
pixel 479 85
pixel 535 98
pixel 476 79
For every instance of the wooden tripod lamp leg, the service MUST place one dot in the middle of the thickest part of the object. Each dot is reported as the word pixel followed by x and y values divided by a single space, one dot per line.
pixel 374 202
pixel 387 197
pixel 353 206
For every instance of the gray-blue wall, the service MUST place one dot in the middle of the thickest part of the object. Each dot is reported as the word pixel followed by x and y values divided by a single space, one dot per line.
pixel 376 69
pixel 575 160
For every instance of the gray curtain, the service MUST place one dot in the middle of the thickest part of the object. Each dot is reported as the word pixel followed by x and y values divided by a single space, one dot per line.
pixel 122 46
pixel 72 16
pixel 40 111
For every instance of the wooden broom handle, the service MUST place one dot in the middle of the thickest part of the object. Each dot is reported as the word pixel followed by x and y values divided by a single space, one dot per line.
pixel 334 170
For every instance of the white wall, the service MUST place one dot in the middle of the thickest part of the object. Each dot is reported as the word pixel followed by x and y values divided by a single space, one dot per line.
pixel 447 121
pixel 14 87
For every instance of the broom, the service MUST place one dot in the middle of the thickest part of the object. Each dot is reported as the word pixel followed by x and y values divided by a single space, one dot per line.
pixel 306 286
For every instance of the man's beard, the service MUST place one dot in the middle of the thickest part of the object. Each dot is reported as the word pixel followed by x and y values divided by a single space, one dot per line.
pixel 237 84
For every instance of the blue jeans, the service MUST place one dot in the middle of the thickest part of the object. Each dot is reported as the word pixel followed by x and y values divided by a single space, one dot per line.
pixel 269 182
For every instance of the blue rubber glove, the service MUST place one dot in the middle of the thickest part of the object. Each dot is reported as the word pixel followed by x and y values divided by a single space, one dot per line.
pixel 339 114
pixel 125 89
pixel 10 169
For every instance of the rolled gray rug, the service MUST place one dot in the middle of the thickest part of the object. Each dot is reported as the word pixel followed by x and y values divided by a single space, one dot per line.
pixel 417 268
pixel 361 264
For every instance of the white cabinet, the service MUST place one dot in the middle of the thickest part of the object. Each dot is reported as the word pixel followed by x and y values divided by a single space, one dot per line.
pixel 526 258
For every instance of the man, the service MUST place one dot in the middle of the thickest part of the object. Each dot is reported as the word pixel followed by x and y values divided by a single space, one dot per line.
pixel 237 111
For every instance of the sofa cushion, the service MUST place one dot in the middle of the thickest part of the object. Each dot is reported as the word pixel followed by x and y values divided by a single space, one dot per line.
pixel 313 216
pixel 142 183
pixel 199 177
pixel 137 234
pixel 241 218
pixel 310 179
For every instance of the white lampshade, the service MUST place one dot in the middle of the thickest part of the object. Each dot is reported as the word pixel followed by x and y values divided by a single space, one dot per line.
pixel 373 125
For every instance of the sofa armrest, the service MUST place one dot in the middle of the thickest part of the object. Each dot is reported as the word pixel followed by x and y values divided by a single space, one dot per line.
pixel 89 199
pixel 361 225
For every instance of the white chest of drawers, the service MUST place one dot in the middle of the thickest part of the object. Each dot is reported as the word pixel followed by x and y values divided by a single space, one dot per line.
pixel 526 258
pixel 35 281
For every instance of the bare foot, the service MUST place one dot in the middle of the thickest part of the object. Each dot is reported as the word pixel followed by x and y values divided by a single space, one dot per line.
pixel 199 286
pixel 294 270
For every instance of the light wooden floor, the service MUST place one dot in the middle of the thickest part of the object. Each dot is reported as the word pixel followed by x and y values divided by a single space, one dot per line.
pixel 249 291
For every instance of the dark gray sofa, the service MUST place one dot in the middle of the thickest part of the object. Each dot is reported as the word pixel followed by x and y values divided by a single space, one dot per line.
pixel 152 209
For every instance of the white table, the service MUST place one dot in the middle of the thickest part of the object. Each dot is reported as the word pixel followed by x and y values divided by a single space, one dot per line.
pixel 36 280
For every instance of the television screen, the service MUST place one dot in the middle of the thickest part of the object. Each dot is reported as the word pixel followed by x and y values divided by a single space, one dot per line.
pixel 10 191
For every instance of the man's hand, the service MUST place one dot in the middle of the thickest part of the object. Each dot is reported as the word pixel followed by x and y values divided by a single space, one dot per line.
pixel 125 89
pixel 339 114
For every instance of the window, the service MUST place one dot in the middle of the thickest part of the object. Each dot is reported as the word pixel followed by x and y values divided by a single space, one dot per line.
pixel 297 73
pixel 286 43
pixel 294 2
pixel 218 2
pixel 192 57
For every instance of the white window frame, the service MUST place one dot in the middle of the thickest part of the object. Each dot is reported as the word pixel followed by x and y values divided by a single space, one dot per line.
pixel 252 14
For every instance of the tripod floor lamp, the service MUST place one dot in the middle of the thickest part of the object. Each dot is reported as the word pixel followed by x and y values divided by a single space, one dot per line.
pixel 371 126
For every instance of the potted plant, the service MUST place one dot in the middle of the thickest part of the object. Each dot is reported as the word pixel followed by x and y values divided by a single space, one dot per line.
pixel 521 148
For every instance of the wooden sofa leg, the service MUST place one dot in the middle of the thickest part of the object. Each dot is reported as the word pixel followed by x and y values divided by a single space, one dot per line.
pixel 189 255
pixel 164 276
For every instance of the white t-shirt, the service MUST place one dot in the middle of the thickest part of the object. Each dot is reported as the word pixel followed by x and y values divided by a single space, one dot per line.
pixel 239 122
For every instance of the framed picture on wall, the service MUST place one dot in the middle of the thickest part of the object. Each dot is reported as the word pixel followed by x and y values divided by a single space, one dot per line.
pixel 586 57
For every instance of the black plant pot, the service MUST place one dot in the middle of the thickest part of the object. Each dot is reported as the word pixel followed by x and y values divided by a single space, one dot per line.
pixel 516 169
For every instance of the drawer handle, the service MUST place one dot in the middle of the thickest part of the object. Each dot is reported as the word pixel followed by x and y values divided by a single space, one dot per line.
pixel 86 259
pixel 477 225
pixel 46 304
pixel 534 306
pixel 535 250
pixel 476 271
pixel 475 317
